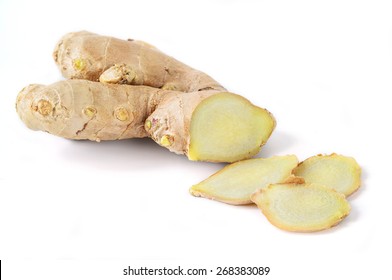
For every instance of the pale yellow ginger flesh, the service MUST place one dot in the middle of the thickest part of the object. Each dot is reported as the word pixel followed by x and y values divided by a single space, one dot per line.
pixel 341 173
pixel 235 183
pixel 302 207
pixel 228 127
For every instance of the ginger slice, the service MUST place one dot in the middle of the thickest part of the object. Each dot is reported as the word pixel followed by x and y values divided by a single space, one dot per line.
pixel 341 173
pixel 302 207
pixel 235 183
pixel 227 128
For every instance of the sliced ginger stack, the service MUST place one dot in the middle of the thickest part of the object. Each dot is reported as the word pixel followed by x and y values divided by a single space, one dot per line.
pixel 306 197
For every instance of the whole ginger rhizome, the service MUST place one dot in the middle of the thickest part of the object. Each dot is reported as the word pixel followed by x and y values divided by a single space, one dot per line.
pixel 120 89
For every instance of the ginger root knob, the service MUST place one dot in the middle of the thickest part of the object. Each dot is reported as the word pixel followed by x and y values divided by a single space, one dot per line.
pixel 44 107
pixel 121 114
pixel 79 64
pixel 148 125
pixel 166 140
pixel 89 111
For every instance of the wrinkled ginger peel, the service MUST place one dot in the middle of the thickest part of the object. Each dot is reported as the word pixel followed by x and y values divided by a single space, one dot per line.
pixel 81 109
pixel 302 207
pixel 85 55
pixel 235 183
pixel 341 173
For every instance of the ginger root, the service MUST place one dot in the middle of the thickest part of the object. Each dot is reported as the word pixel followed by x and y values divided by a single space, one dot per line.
pixel 142 93
pixel 204 125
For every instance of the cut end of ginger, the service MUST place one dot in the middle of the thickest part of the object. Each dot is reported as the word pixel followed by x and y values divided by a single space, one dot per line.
pixel 235 183
pixel 302 207
pixel 341 173
pixel 227 128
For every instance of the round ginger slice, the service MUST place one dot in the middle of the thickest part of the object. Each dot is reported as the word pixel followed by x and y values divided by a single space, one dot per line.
pixel 341 173
pixel 302 207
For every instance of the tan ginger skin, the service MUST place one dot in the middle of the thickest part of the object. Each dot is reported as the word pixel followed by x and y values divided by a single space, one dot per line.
pixel 142 93
pixel 85 55
pixel 78 109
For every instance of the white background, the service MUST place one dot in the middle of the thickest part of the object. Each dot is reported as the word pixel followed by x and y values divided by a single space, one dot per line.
pixel 84 210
